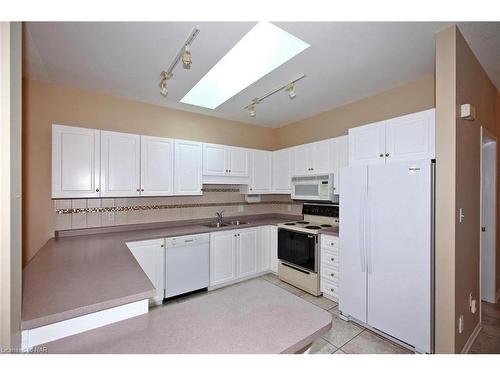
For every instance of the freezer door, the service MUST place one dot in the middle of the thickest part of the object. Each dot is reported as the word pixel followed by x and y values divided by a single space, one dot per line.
pixel 353 278
pixel 398 246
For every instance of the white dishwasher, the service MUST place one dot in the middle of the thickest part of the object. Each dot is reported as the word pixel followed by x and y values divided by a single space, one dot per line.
pixel 187 264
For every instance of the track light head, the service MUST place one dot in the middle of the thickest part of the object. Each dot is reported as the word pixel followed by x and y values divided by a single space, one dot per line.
pixel 164 77
pixel 290 89
pixel 251 110
pixel 186 57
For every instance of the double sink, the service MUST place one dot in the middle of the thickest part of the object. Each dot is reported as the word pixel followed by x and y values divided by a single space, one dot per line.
pixel 232 223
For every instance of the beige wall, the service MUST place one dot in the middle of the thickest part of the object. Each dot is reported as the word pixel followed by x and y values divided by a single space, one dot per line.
pixel 412 97
pixel 10 185
pixel 445 190
pixel 460 79
pixel 45 104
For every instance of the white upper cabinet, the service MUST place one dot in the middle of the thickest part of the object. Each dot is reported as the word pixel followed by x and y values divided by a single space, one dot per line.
pixel 411 137
pixel 301 160
pixel 157 166
pixel 75 162
pixel 120 164
pixel 282 165
pixel 340 159
pixel 219 160
pixel 321 155
pixel 261 172
pixel 215 160
pixel 313 158
pixel 188 165
pixel 367 144
pixel 238 162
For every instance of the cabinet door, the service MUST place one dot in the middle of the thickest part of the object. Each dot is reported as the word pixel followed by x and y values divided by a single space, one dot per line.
pixel 222 257
pixel 281 171
pixel 188 165
pixel 120 164
pixel 261 172
pixel 321 155
pixel 264 248
pixel 273 248
pixel 340 158
pixel 157 166
pixel 411 137
pixel 75 162
pixel 247 251
pixel 301 160
pixel 215 160
pixel 367 144
pixel 238 162
pixel 150 256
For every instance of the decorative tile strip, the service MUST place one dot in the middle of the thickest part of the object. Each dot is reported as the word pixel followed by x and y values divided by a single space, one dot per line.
pixel 161 207
pixel 220 190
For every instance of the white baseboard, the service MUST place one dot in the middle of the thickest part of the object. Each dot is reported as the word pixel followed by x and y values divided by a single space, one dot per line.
pixel 69 327
pixel 235 281
pixel 471 339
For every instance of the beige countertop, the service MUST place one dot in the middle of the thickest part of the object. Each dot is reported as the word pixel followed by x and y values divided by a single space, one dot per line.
pixel 251 317
pixel 73 275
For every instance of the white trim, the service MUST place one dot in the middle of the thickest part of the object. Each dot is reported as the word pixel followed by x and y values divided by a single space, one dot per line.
pixel 471 339
pixel 69 327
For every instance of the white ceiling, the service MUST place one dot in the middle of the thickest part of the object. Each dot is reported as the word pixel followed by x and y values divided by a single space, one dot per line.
pixel 346 61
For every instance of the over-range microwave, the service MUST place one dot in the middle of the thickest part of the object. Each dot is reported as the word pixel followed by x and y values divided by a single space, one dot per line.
pixel 314 188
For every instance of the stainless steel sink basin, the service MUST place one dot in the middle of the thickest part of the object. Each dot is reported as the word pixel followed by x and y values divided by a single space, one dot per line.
pixel 227 224
pixel 237 222
pixel 216 225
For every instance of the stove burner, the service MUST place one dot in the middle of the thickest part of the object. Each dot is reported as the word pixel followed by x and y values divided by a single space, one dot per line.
pixel 313 227
pixel 302 222
pixel 289 223
pixel 325 225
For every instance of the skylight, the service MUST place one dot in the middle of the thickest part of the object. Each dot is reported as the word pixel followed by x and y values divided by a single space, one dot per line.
pixel 259 52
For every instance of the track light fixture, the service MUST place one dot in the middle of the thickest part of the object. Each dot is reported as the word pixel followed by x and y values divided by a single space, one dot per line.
pixel 184 54
pixel 289 88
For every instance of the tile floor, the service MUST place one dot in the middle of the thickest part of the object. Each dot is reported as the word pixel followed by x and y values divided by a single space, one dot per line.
pixel 344 337
pixel 488 341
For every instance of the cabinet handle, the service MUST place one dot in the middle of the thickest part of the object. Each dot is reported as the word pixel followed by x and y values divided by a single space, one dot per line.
pixel 97 190
pixel 381 155
pixel 387 154
pixel 142 189
pixel 333 259
pixel 332 274
pixel 331 290
pixel 331 243
pixel 138 189
pixel 162 245
pixel 229 171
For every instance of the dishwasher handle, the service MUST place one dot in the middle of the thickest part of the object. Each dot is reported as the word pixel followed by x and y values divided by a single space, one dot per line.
pixel 187 240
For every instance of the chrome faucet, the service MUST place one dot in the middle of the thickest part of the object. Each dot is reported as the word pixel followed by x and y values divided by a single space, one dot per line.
pixel 218 217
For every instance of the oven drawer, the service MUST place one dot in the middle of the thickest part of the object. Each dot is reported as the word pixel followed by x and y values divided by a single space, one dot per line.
pixel 329 288
pixel 330 273
pixel 329 242
pixel 330 258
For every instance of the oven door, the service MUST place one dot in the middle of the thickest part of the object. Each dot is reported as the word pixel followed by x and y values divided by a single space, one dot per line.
pixel 298 249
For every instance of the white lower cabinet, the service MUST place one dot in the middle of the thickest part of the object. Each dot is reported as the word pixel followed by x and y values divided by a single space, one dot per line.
pixel 150 255
pixel 329 270
pixel 238 254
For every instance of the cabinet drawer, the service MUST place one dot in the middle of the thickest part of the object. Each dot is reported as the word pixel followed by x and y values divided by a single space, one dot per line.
pixel 330 258
pixel 329 242
pixel 329 288
pixel 330 273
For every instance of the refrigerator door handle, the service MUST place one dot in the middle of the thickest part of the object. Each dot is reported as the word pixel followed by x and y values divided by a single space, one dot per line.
pixel 368 234
pixel 362 226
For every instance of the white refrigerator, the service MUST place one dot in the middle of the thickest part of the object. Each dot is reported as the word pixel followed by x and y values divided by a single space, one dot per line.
pixel 387 249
